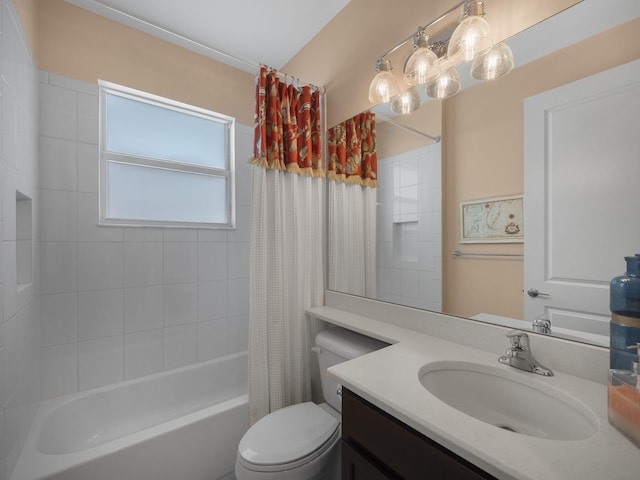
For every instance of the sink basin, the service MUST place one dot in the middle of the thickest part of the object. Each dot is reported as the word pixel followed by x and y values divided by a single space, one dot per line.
pixel 512 401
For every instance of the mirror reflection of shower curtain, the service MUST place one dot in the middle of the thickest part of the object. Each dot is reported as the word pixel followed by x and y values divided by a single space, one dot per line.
pixel 352 239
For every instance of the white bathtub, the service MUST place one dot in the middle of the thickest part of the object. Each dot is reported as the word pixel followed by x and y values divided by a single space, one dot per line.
pixel 182 424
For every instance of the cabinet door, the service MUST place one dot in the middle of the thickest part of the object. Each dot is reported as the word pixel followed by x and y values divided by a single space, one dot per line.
pixel 357 467
pixel 396 449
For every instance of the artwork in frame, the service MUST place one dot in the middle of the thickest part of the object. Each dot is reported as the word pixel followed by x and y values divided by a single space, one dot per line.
pixel 492 220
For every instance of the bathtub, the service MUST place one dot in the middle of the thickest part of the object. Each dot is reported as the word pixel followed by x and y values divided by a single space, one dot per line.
pixel 181 424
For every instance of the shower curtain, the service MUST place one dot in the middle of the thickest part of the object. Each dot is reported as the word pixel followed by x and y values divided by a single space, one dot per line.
pixel 353 178
pixel 286 257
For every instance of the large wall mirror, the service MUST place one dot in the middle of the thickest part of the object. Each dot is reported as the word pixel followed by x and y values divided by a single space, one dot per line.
pixel 493 146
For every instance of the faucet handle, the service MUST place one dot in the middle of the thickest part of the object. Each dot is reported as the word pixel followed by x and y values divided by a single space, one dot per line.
pixel 518 339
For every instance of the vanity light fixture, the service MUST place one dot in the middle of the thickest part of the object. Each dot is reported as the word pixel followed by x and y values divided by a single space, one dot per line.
pixel 384 85
pixel 432 64
pixel 422 64
pixel 472 36
pixel 406 101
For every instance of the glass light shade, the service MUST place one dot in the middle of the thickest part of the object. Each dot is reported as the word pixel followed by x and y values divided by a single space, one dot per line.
pixel 383 87
pixel 421 66
pixel 494 63
pixel 444 85
pixel 406 102
pixel 469 39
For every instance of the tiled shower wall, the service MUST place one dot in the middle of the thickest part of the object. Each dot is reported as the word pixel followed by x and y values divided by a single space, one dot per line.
pixel 122 302
pixel 409 222
pixel 19 306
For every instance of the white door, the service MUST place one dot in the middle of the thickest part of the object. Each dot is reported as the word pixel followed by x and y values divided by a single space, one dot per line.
pixel 582 196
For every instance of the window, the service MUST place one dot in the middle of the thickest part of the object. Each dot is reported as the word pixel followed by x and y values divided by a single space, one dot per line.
pixel 163 162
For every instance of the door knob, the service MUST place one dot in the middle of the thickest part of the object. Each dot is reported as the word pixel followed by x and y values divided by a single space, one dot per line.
pixel 533 293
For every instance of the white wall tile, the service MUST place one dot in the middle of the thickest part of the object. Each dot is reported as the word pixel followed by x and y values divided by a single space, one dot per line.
pixel 180 235
pixel 238 298
pixel 9 137
pixel 212 235
pixel 243 188
pixel 9 279
pixel 58 216
pixel 58 267
pixel 238 334
pixel 241 232
pixel 87 118
pixel 143 263
pixel 59 319
pixel 59 370
pixel 58 164
pixel 9 186
pixel 212 261
pixel 238 260
pixel 212 300
pixel 212 339
pixel 100 314
pixel 101 362
pixel 143 234
pixel 143 353
pixel 73 84
pixel 180 262
pixel 143 309
pixel 100 265
pixel 180 304
pixel 88 228
pixel 58 112
pixel 180 345
pixel 87 167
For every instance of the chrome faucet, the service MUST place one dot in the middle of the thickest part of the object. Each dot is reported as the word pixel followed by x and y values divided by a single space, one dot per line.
pixel 542 325
pixel 519 355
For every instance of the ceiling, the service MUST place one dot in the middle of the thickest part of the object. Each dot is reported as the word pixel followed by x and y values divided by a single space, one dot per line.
pixel 234 32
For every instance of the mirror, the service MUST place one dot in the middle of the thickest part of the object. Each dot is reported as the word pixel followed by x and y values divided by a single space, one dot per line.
pixel 481 156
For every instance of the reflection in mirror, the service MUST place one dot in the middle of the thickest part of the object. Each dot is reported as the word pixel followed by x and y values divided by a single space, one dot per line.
pixel 482 155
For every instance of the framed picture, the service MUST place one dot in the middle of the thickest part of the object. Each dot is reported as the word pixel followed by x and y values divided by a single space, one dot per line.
pixel 492 220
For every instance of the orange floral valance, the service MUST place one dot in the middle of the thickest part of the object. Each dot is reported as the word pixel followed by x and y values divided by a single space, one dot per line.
pixel 352 151
pixel 287 126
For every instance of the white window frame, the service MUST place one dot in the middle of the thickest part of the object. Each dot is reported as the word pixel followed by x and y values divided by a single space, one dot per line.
pixel 108 88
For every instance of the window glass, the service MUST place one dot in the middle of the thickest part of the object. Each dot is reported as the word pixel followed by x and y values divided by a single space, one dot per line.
pixel 157 194
pixel 163 162
pixel 138 128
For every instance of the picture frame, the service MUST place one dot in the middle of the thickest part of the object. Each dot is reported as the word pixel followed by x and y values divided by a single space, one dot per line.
pixel 492 220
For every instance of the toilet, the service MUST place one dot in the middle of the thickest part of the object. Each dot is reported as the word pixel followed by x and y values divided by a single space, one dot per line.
pixel 302 442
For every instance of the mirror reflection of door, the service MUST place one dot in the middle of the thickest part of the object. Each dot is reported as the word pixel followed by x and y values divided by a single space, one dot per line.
pixel 582 192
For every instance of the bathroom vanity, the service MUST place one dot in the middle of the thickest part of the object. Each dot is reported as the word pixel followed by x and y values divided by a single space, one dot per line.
pixel 376 445
pixel 396 424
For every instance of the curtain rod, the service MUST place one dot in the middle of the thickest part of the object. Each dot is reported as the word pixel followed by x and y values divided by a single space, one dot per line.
pixel 181 40
pixel 293 79
pixel 397 124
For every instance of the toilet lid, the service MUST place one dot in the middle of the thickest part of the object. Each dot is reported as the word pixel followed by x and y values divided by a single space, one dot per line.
pixel 287 435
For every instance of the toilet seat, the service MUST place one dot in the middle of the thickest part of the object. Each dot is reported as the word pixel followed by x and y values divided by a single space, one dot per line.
pixel 288 438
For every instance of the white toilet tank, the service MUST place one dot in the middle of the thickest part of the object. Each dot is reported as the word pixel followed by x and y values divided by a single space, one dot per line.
pixel 336 345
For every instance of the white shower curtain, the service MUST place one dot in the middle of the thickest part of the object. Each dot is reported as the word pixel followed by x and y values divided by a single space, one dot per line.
pixel 286 269
pixel 352 239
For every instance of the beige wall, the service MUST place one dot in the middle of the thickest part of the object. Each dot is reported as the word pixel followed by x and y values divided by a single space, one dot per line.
pixel 76 43
pixel 483 157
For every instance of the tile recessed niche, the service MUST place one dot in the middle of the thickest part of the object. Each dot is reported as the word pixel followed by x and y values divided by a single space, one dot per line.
pixel 24 242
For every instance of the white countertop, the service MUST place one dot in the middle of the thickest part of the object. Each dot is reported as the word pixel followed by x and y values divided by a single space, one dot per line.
pixel 388 378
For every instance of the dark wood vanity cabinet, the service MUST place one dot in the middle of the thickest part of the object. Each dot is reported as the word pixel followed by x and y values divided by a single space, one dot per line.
pixel 375 446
